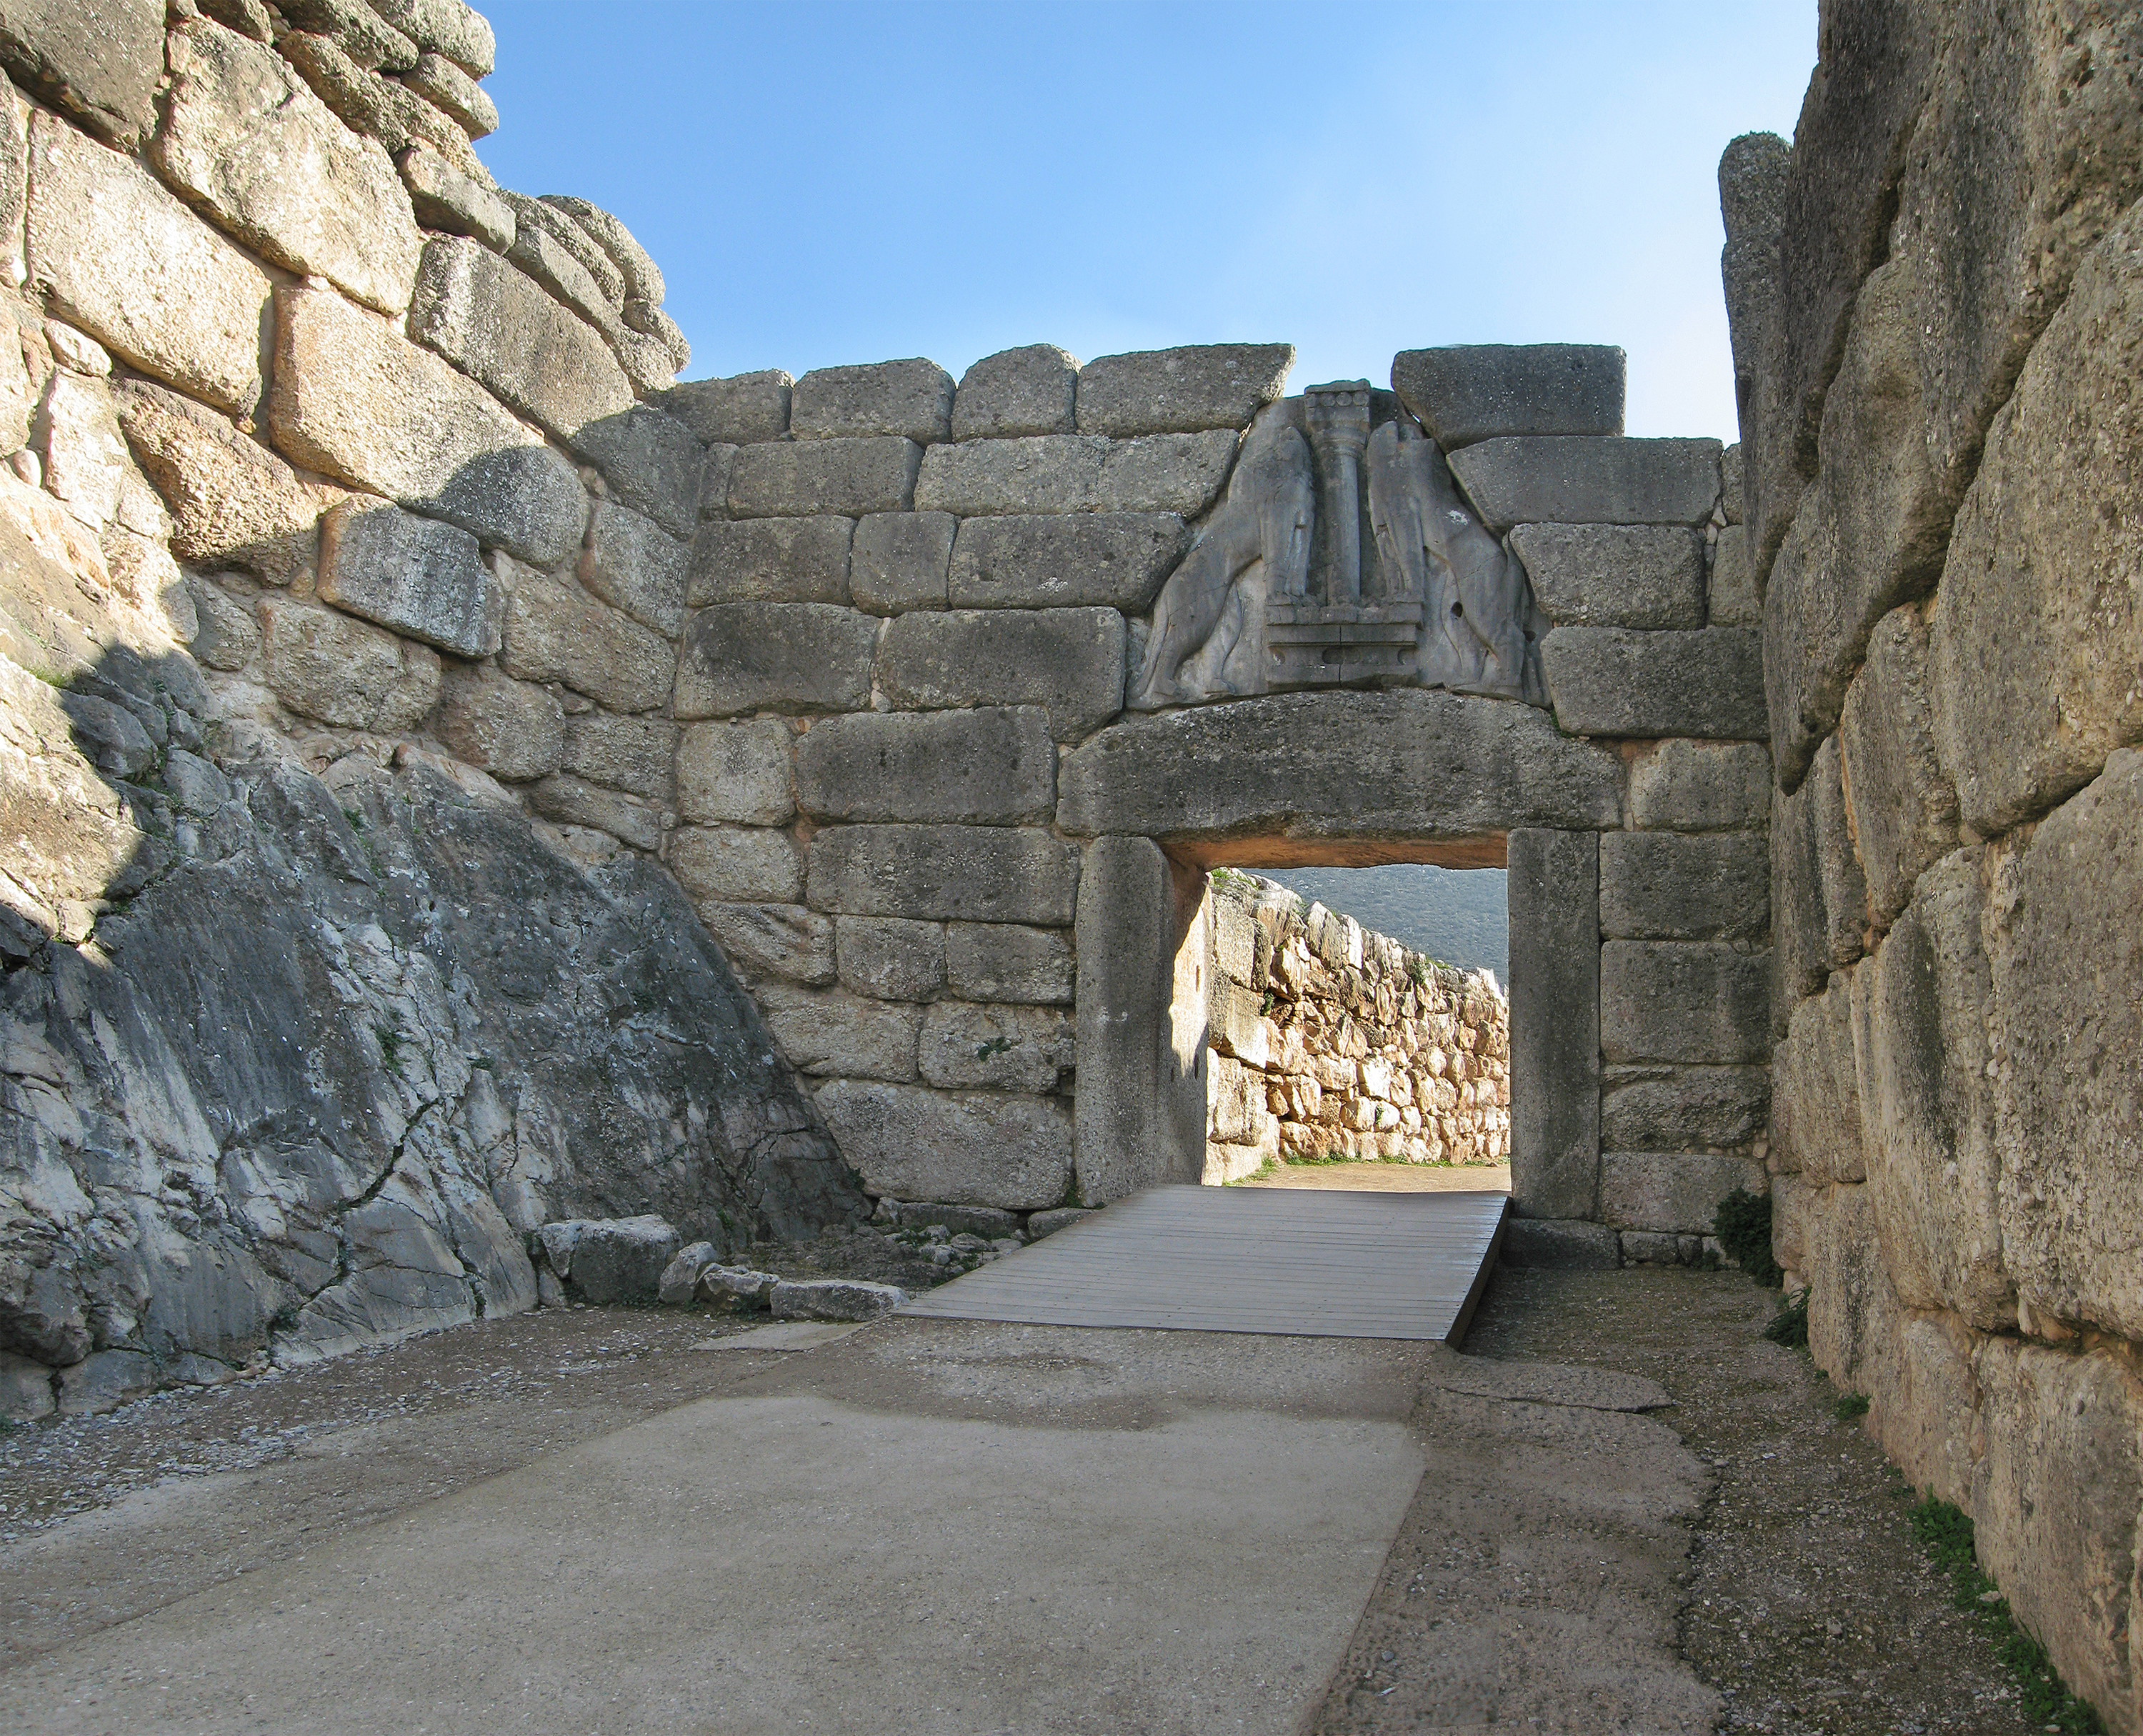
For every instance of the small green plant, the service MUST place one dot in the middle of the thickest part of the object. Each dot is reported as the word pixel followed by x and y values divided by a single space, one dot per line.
pixel 390 1046
pixel 355 819
pixel 994 1045
pixel 1852 1407
pixel 1789 1325
pixel 1744 1229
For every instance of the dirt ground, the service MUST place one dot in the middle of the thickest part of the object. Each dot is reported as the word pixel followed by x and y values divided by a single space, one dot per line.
pixel 1382 1178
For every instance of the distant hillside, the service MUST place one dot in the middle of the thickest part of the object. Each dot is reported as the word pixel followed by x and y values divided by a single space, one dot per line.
pixel 1458 915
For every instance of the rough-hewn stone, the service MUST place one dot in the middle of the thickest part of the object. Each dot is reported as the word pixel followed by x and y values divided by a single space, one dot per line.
pixel 803 479
pixel 573 802
pixel 1024 391
pixel 1670 886
pixel 1699 1001
pixel 98 61
pixel 1180 390
pixel 635 753
pixel 1057 560
pixel 445 198
pixel 443 85
pixel 987 766
pixel 737 864
pixel 1732 598
pixel 912 398
pixel 653 461
pixel 1674 1191
pixel 843 1035
pixel 954 873
pixel 1614 681
pixel 739 410
pixel 799 656
pixel 1815 1091
pixel 771 560
pixel 555 631
pixel 1554 888
pixel 998 1048
pixel 773 940
pixel 1752 181
pixel 513 729
pixel 898 561
pixel 1178 473
pixel 327 666
pixel 891 957
pixel 1580 479
pixel 1069 660
pixel 738 772
pixel 1006 961
pixel 632 563
pixel 564 258
pixel 1818 896
pixel 1468 393
pixel 418 576
pixel 1700 786
pixel 445 27
pixel 1615 575
pixel 378 107
pixel 1683 1109
pixel 1904 811
pixel 967 1150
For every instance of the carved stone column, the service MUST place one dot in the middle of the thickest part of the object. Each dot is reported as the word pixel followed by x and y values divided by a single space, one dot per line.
pixel 1338 416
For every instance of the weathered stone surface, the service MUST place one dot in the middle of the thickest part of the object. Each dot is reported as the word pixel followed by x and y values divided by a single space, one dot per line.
pixel 26 1388
pixel 1854 1314
pixel 1733 480
pixel 652 461
pixel 1669 885
pixel 1045 1224
pixel 99 61
pixel 498 325
pixel 739 410
pixel 798 656
pixel 898 561
pixel 1178 473
pixel 633 564
pixel 1819 897
pixel 1057 560
pixel 983 767
pixel 367 38
pixel 443 85
pixel 1734 599
pixel 844 1036
pixel 1925 1420
pixel 999 1048
pixel 327 666
pixel 376 107
pixel 511 729
pixel 608 1260
pixel 1468 393
pixel 1567 1243
pixel 226 635
pixel 445 27
pixel 1613 681
pixel 1904 811
pixel 1670 1191
pixel 633 754
pixel 969 1149
pixel 1554 887
pixel 1407 763
pixel 832 1299
pixel 1069 660
pixel 1752 183
pixel 890 956
pixel 773 940
pixel 737 864
pixel 955 873
pixel 85 467
pixel 786 479
pixel 1024 391
pixel 1578 479
pixel 640 277
pixel 232 502
pixel 111 250
pixel 414 574
pixel 1005 961
pixel 738 772
pixel 444 198
pixel 1700 1001
pixel 555 631
pixel 564 258
pixel 1700 786
pixel 1615 575
pixel 912 398
pixel 1683 1109
pixel 771 560
pixel 1180 390
pixel 249 143
pixel 1816 1114
pixel 572 801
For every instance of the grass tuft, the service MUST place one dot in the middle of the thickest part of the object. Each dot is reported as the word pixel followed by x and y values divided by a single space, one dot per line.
pixel 1851 1407
pixel 1789 1326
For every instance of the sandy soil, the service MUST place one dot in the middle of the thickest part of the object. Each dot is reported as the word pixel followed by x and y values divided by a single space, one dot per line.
pixel 1390 1177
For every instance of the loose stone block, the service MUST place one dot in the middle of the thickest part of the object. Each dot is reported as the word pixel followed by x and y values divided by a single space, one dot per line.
pixel 890 956
pixel 1667 886
pixel 1815 1092
pixel 1069 660
pixel 414 574
pixel 899 560
pixel 1699 1001
pixel 1180 390
pixel 737 864
pixel 987 766
pixel 110 250
pixel 445 198
pixel 796 657
pixel 739 410
pixel 1464 394
pixel 1615 575
pixel 573 803
pixel 771 560
pixel 738 772
pixel 1575 479
pixel 1024 391
pixel 805 477
pixel 1904 810
pixel 1000 1048
pixel 652 461
pixel 633 564
pixel 829 1032
pixel 1005 961
pixel 1670 1191
pixel 1683 1109
pixel 954 874
pixel 338 670
pixel 631 753
pixel 233 502
pixel 555 631
pixel 99 61
pixel 1735 601
pixel 1554 883
pixel 773 940
pixel 1700 786
pixel 1178 473
pixel 1612 681
pixel 908 1143
pixel 1056 559
pixel 247 142
pixel 515 731
pixel 912 398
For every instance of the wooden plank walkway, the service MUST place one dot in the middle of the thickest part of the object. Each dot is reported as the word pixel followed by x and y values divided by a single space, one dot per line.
pixel 1311 1262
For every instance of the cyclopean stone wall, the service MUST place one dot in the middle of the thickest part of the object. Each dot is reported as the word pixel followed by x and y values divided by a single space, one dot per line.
pixel 1936 298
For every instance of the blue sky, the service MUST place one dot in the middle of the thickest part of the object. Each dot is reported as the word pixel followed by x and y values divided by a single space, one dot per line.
pixel 848 180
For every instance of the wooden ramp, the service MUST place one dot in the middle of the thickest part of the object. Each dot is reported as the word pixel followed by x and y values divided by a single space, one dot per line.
pixel 1311 1262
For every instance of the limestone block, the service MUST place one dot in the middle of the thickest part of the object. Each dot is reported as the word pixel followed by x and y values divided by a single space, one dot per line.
pixel 1735 601
pixel 1069 660
pixel 898 561
pixel 1925 1422
pixel 444 198
pixel 1904 811
pixel 1466 392
pixel 571 802
pixel 1006 962
pixel 98 61
pixel 737 772
pixel 740 411
pixel 1234 1095
pixel 248 143
pixel 1178 473
pixel 418 576
pixel 1683 1109
pixel 1752 178
pixel 1329 765
pixel 1854 1314
pixel 632 754
pixel 445 27
pixel 1057 560
pixel 771 560
pixel 1670 1191
pixel 890 956
pixel 562 256
pixel 1180 390
pixel 443 85
pixel 1670 886
pixel 914 399
pixel 969 1149
pixel 715 480
pixel 1818 896
pixel 338 670
pixel 1700 786
pixel 641 278
pixel 1816 1113
pixel 366 38
pixel 510 728
pixel 829 1032
pixel 983 767
pixel 1581 479
pixel 1699 1001
pixel 797 656
pixel 2035 641
pixel 1024 391
pixel 555 631
pixel 232 502
pixel 633 564
pixel 355 401
pixel 737 864
pixel 377 107
pixel 1614 682
pixel 499 326
pixel 86 463
pixel 2067 1032
pixel 110 250
pixel 999 1048
pixel 652 461
pixel 801 478
pixel 1615 575
pixel 1732 481
pixel 1554 884
pixel 949 873
pixel 773 940
pixel 228 637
